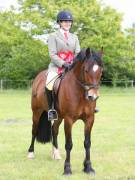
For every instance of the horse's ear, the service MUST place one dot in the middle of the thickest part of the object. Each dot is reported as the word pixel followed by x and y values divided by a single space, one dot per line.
pixel 88 52
pixel 80 56
pixel 101 52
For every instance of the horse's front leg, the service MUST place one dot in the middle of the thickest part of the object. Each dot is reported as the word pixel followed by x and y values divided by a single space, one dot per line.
pixel 55 130
pixel 68 144
pixel 87 144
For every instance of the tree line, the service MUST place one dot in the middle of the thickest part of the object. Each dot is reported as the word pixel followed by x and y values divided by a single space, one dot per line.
pixel 22 55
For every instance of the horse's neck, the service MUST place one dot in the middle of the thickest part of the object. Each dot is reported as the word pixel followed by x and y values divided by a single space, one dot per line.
pixel 77 69
pixel 74 75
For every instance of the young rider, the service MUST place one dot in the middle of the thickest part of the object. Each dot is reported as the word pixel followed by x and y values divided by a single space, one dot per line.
pixel 62 46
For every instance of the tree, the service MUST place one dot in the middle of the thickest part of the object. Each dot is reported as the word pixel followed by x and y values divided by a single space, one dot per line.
pixel 21 56
pixel 96 25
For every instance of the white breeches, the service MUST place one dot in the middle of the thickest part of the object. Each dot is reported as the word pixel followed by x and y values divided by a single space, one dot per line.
pixel 51 77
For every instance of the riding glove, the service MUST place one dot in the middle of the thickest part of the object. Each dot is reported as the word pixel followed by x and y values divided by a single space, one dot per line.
pixel 66 66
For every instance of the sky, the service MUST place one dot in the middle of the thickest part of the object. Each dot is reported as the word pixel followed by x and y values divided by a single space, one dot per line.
pixel 127 7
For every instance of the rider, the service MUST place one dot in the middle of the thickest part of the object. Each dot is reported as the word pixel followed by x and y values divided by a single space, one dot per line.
pixel 62 46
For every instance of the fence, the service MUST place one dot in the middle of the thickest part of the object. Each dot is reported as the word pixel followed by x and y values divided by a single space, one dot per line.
pixel 119 83
pixel 26 84
pixel 12 84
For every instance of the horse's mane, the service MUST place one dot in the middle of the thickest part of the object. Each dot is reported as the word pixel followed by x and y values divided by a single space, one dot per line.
pixel 81 56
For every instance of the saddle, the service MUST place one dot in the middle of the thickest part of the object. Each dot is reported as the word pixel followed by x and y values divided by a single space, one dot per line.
pixel 56 87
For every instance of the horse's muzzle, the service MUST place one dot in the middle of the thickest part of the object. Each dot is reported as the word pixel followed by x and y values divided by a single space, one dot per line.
pixel 92 95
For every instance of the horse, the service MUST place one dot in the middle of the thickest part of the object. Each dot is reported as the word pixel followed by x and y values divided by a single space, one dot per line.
pixel 75 100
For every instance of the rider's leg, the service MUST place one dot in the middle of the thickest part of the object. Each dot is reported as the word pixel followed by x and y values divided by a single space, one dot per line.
pixel 51 112
pixel 49 98
pixel 51 77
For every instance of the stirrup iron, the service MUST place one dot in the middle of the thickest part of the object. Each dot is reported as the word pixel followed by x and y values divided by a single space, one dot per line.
pixel 52 115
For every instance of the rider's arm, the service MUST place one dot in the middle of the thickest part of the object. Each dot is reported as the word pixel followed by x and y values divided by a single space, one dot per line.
pixel 52 47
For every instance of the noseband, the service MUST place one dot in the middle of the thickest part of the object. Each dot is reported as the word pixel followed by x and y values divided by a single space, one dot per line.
pixel 87 86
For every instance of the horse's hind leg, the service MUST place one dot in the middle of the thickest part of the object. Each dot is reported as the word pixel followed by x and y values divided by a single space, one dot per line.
pixel 31 148
pixel 36 116
pixel 55 130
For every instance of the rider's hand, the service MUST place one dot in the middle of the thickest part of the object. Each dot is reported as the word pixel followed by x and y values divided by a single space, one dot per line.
pixel 66 66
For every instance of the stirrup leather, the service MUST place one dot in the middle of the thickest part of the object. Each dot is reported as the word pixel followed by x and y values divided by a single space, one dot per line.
pixel 52 115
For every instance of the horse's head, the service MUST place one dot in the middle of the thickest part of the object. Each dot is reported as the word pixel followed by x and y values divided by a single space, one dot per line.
pixel 90 73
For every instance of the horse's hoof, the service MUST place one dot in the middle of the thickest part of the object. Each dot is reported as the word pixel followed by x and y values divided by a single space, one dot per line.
pixel 56 154
pixel 31 155
pixel 89 170
pixel 67 169
pixel 67 172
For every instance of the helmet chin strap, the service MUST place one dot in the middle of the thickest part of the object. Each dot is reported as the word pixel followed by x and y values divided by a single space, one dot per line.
pixel 64 29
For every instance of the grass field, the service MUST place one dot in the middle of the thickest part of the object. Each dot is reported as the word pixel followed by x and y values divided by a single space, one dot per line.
pixel 113 140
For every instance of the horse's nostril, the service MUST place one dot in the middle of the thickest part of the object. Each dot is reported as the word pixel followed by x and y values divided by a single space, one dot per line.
pixel 93 98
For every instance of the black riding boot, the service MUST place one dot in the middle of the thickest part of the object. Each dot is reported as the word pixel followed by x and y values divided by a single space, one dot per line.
pixel 52 113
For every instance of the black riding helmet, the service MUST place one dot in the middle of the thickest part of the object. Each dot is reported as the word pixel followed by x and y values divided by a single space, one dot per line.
pixel 64 16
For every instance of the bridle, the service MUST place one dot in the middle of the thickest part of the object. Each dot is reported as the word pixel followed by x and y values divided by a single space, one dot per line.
pixel 87 86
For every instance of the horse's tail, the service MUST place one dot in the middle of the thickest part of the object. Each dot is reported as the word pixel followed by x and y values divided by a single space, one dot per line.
pixel 44 134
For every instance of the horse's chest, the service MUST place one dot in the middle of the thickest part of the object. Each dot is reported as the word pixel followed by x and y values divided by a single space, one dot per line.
pixel 83 110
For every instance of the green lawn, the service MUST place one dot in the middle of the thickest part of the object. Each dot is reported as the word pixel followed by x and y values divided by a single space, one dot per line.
pixel 113 140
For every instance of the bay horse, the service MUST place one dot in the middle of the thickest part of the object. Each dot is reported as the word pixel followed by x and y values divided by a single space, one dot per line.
pixel 76 99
